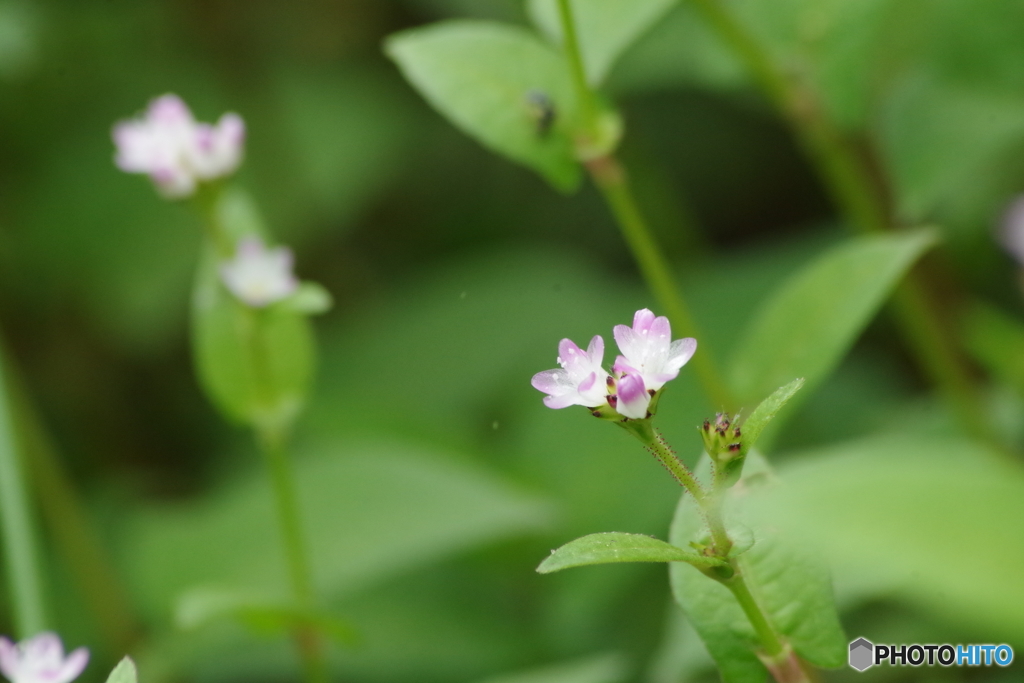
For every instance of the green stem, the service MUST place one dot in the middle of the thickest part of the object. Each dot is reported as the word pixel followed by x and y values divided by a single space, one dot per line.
pixel 73 533
pixel 308 641
pixel 272 436
pixel 17 523
pixel 610 178
pixel 709 503
pixel 571 46
pixel 770 641
pixel 861 198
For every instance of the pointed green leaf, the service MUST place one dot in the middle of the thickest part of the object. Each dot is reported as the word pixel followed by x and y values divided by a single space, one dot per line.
pixel 765 412
pixel 752 428
pixel 606 28
pixel 124 672
pixel 791 583
pixel 806 327
pixel 489 80
pixel 610 547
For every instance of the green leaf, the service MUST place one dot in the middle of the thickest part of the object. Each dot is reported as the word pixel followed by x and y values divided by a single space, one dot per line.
pixel 370 511
pixel 807 326
pixel 765 412
pixel 124 672
pixel 932 521
pixel 255 364
pixel 609 547
pixel 201 606
pixel 481 76
pixel 996 340
pixel 309 299
pixel 791 583
pixel 938 137
pixel 606 28
pixel 752 428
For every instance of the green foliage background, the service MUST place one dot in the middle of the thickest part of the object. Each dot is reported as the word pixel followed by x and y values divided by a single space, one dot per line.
pixel 432 478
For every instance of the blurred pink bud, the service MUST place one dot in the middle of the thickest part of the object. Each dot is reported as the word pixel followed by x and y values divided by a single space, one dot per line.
pixel 40 660
pixel 259 276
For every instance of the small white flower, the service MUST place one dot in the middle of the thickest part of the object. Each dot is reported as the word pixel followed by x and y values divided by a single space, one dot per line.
pixel 40 660
pixel 174 150
pixel 259 276
pixel 581 381
pixel 647 350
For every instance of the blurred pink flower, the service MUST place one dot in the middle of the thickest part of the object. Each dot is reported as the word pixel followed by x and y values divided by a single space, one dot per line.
pixel 40 660
pixel 259 276
pixel 174 150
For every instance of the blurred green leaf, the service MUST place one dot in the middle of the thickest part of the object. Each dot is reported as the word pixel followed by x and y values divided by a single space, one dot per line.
pixel 344 134
pixel 939 136
pixel 680 50
pixel 930 520
pixel 370 512
pixel 791 583
pixel 606 28
pixel 609 547
pixel 199 607
pixel 996 340
pixel 681 655
pixel 124 672
pixel 807 326
pixel 255 364
pixel 309 299
pixel 481 76
pixel 603 668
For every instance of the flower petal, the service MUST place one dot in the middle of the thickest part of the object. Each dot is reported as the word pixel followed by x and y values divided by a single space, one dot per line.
pixel 629 345
pixel 680 353
pixel 8 658
pixel 642 320
pixel 73 665
pixel 551 381
pixel 595 350
pixel 633 397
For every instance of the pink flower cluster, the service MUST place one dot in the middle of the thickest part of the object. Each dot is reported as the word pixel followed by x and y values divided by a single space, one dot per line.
pixel 649 358
pixel 176 151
